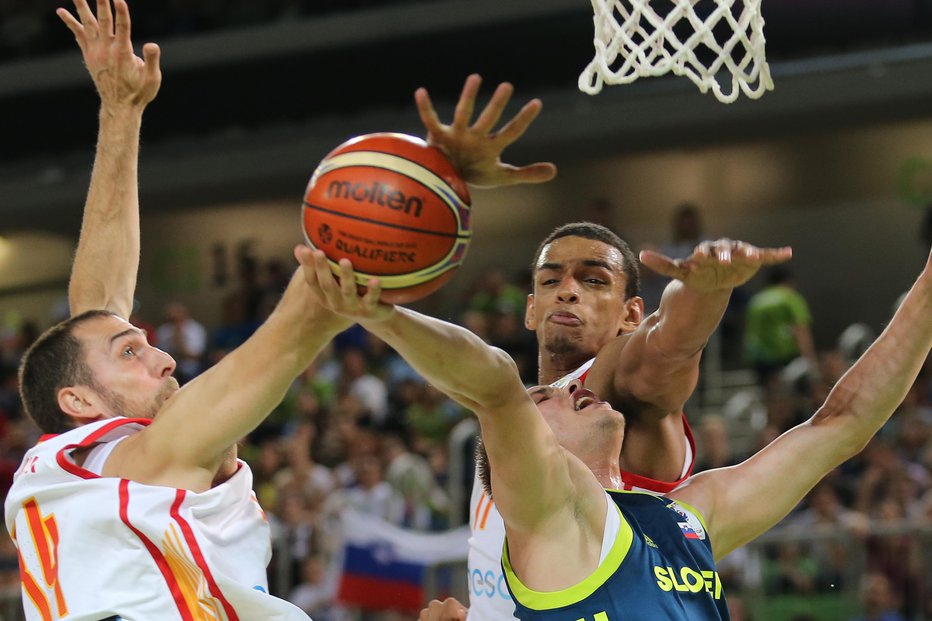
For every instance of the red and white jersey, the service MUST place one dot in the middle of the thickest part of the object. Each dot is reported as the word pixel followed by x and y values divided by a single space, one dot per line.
pixel 489 599
pixel 92 547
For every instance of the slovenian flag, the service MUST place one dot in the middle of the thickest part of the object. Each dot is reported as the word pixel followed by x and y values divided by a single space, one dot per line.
pixel 384 565
pixel 688 532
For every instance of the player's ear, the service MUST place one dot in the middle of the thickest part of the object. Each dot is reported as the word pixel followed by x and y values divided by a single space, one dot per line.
pixel 79 402
pixel 633 315
pixel 530 321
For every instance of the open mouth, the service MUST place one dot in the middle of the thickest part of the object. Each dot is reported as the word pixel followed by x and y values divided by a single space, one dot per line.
pixel 583 398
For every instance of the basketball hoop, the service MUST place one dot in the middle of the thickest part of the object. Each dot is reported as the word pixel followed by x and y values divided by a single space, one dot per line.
pixel 718 44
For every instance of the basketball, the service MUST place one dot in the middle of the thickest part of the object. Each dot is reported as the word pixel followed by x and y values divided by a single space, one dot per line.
pixel 395 207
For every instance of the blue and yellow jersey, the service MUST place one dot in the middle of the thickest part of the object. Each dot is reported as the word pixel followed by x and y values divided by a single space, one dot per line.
pixel 659 568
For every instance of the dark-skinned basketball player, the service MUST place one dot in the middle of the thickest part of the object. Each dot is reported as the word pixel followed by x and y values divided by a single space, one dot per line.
pixel 578 546
pixel 591 328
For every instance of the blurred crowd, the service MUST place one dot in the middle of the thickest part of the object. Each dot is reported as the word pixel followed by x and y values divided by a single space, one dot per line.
pixel 30 27
pixel 361 429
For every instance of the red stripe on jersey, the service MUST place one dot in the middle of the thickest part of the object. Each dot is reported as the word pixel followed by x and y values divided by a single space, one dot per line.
pixel 157 556
pixel 199 556
pixel 475 521
pixel 68 466
pixel 632 480
pixel 485 514
pixel 35 594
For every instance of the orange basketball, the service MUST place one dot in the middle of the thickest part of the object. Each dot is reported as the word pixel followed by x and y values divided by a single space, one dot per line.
pixel 395 207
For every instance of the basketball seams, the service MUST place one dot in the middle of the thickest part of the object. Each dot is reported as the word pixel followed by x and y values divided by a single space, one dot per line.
pixel 432 210
pixel 389 225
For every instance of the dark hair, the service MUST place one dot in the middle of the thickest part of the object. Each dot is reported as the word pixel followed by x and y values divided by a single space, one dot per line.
pixel 597 232
pixel 483 470
pixel 54 361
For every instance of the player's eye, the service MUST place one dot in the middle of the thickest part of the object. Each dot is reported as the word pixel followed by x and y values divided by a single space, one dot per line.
pixel 128 351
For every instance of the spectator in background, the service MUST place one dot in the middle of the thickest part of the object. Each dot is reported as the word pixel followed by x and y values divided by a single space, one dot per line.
pixel 358 382
pixel 496 294
pixel 826 514
pixel 778 327
pixel 714 445
pixel 315 594
pixel 685 235
pixel 878 600
pixel 234 329
pixel 411 477
pixel 185 339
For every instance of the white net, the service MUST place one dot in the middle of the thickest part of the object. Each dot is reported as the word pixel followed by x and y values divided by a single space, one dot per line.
pixel 718 44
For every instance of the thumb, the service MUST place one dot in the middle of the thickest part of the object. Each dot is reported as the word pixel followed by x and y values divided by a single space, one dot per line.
pixel 663 265
pixel 152 54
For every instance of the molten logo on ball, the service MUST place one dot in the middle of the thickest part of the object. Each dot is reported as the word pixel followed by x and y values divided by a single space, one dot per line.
pixel 376 193
pixel 395 207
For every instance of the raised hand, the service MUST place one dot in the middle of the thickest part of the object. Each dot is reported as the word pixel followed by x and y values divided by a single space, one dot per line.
pixel 476 149
pixel 341 295
pixel 716 265
pixel 447 610
pixel 121 77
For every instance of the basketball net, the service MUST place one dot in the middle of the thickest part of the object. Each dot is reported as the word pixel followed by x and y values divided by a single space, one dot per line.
pixel 634 39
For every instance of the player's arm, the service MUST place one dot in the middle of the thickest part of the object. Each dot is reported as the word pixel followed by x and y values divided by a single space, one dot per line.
pixel 742 502
pixel 103 275
pixel 188 440
pixel 657 365
pixel 532 478
pixel 476 149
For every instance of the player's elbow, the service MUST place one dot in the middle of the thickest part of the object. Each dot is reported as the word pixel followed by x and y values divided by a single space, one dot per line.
pixel 502 380
pixel 849 436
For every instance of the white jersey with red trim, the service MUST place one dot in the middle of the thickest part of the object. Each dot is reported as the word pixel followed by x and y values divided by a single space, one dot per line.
pixel 489 599
pixel 93 547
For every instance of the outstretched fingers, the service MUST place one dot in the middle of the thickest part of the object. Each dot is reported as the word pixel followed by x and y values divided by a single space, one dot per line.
pixel 427 112
pixel 773 256
pixel 493 110
pixel 662 264
pixel 516 127
pixel 539 172
pixel 105 17
pixel 123 22
pixel 467 102
pixel 88 21
pixel 74 26
pixel 152 53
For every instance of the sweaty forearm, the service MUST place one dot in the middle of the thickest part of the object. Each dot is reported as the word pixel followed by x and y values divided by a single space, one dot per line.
pixel 103 275
pixel 868 394
pixel 452 358
pixel 687 318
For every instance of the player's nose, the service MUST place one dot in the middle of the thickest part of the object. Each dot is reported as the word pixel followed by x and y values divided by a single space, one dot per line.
pixel 164 364
pixel 573 386
pixel 568 292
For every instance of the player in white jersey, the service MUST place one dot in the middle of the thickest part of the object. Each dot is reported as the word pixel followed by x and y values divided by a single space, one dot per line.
pixel 135 506
pixel 88 544
pixel 585 310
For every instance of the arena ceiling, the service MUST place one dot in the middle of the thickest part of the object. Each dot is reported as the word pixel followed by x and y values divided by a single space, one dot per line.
pixel 246 114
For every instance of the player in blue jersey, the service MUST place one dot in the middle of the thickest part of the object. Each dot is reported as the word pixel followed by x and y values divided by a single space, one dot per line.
pixel 578 549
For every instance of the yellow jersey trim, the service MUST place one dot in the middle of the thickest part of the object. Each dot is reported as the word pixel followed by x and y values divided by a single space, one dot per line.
pixel 548 600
